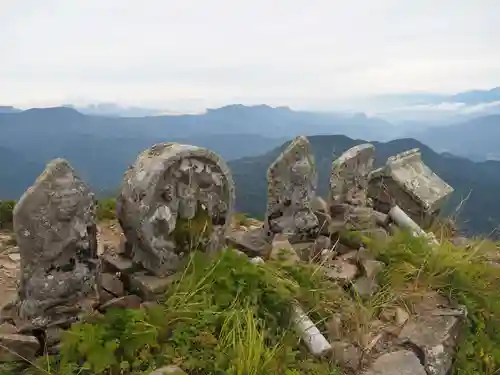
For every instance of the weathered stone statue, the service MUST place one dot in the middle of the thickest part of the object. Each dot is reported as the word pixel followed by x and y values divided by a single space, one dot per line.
pixel 349 175
pixel 174 199
pixel 54 222
pixel 348 198
pixel 292 181
pixel 407 181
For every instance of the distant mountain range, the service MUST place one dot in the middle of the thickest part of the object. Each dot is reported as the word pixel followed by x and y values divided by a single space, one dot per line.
pixel 102 147
pixel 477 139
pixel 480 214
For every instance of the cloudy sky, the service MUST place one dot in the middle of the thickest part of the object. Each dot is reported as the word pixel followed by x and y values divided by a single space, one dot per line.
pixel 304 53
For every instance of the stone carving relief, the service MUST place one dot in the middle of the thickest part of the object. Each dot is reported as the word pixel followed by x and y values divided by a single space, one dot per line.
pixel 170 192
pixel 292 183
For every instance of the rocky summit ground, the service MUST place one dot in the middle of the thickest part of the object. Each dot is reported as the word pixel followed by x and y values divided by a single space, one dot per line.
pixel 426 314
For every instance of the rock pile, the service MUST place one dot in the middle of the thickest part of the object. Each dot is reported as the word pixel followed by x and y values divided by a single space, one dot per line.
pixel 179 197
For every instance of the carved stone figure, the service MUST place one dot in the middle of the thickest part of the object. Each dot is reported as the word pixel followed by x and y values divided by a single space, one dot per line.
pixel 349 176
pixel 174 199
pixel 54 222
pixel 292 181
pixel 407 181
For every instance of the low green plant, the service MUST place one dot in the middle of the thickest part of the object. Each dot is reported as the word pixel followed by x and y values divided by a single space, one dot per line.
pixel 6 213
pixel 222 315
pixel 192 234
pixel 106 209
pixel 241 218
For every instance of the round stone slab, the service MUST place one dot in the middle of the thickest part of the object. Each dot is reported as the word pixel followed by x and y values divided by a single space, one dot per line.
pixel 173 189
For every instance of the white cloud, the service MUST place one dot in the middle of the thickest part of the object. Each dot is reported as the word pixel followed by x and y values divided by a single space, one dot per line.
pixel 299 52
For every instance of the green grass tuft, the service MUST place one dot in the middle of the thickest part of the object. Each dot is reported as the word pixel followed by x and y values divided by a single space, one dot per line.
pixel 223 315
pixel 106 209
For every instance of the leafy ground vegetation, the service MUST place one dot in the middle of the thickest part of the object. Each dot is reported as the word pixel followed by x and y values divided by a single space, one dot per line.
pixel 224 315
pixel 106 209
pixel 6 209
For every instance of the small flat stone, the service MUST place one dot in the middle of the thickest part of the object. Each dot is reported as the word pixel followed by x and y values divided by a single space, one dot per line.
pixel 253 243
pixel 365 287
pixel 15 257
pixel 401 316
pixel 7 328
pixel 149 287
pixel 402 362
pixel 395 315
pixel 381 218
pixel 321 243
pixel 346 355
pixel 341 271
pixel 168 370
pixel 105 296
pixel 127 302
pixel 24 346
pixel 112 284
pixel 436 336
pixel 116 263
pixel 371 268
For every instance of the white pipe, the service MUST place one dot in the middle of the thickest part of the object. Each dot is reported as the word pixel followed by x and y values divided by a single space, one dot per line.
pixel 403 220
pixel 312 337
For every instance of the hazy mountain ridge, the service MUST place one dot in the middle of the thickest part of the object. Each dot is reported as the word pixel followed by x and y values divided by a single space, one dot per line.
pixel 477 139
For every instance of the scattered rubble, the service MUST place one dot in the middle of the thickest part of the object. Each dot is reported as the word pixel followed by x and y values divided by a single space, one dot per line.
pixel 65 275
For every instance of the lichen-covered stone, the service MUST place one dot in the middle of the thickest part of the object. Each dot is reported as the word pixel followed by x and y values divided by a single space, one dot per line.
pixel 340 271
pixel 112 284
pixel 346 355
pixel 436 335
pixel 14 347
pixel 55 227
pixel 402 362
pixel 149 287
pixel 292 182
pixel 175 198
pixel 349 176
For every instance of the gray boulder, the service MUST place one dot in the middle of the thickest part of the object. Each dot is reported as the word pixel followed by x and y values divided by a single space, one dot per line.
pixel 54 222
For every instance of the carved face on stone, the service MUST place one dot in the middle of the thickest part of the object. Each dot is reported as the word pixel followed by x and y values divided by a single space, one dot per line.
pixel 193 184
